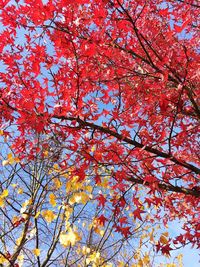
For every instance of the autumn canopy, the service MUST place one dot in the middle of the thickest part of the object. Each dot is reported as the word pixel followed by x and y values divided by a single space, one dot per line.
pixel 98 106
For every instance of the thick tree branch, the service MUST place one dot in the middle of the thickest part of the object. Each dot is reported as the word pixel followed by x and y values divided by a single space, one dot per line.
pixel 167 187
pixel 149 149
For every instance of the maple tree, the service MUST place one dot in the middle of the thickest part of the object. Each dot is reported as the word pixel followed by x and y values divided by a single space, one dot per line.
pixel 106 84
pixel 50 218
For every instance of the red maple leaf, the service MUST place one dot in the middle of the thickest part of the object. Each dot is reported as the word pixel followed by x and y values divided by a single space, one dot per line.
pixel 166 249
pixel 102 200
pixel 102 219
pixel 137 213
pixel 123 220
pixel 125 231
pixel 97 179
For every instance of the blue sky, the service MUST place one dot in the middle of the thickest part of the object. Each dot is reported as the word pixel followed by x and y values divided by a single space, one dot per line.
pixel 190 255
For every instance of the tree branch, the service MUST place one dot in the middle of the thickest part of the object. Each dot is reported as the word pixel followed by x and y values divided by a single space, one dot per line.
pixel 149 149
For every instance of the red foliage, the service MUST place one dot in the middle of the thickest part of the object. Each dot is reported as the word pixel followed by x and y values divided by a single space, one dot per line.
pixel 120 75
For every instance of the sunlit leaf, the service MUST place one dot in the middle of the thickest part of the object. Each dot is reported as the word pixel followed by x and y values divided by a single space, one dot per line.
pixel 48 215
pixel 52 199
pixel 36 252
pixel 69 238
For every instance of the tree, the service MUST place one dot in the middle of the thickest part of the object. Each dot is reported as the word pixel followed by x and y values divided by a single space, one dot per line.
pixel 50 218
pixel 113 84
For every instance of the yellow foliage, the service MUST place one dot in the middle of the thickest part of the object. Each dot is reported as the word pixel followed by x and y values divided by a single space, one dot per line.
pixel 89 188
pixel 4 193
pixel 166 234
pixel 94 258
pixel 108 265
pixel 52 199
pixel 15 219
pixel 37 215
pixel 2 259
pixel 85 250
pixel 46 153
pixel 152 235
pixel 48 215
pixel 67 225
pixel 69 238
pixel 18 241
pixel 93 148
pixel 137 255
pixel 80 197
pixel 36 252
pixel 105 182
pixel 25 204
pixel 20 260
pixel 99 231
pixel 73 184
pixel 3 196
pixel 56 168
pixel 1 202
pixel 20 191
pixel 180 260
pixel 146 259
pixel 163 238
pixel 10 160
pixel 68 213
pixel 57 183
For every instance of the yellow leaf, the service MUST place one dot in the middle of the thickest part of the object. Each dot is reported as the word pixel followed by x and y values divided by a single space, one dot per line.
pixel 180 260
pixel 37 215
pixel 25 205
pixel 5 162
pixel 20 260
pixel 11 160
pixel 108 265
pixel 93 148
pixel 67 225
pixel 17 160
pixel 45 153
pixel 163 240
pixel 99 231
pixel 81 197
pixel 2 259
pixel 94 258
pixel 73 184
pixel 166 234
pixel 152 235
pixel 15 219
pixel 146 259
pixel 56 168
pixel 36 252
pixel 20 191
pixel 1 202
pixel 68 213
pixel 18 241
pixel 48 215
pixel 57 183
pixel 105 182
pixel 89 188
pixel 140 263
pixel 85 250
pixel 4 193
pixel 69 238
pixel 52 199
